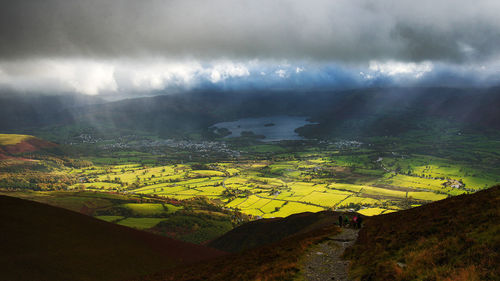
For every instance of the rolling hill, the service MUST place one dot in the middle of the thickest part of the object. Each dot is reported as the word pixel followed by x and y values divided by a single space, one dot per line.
pixel 11 144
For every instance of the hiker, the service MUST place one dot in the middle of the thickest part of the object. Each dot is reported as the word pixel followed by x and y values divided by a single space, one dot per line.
pixel 340 220
pixel 346 220
pixel 360 220
pixel 355 221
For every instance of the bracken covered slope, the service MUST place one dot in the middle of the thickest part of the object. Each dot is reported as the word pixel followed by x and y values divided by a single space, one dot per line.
pixel 453 239
pixel 271 249
pixel 276 261
pixel 11 144
pixel 266 231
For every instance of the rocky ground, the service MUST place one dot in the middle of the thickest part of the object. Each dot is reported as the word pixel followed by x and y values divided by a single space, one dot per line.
pixel 324 262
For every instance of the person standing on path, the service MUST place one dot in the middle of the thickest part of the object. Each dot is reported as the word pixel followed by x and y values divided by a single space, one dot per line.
pixel 340 220
pixel 346 220
pixel 360 220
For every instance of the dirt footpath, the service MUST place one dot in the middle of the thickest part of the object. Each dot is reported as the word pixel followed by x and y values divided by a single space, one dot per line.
pixel 323 261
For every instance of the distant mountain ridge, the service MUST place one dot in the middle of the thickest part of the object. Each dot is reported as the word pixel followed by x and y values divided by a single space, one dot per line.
pixel 22 112
pixel 371 111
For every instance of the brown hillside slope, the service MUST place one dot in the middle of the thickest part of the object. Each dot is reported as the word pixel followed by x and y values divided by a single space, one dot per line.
pixel 265 231
pixel 276 261
pixel 13 144
pixel 453 239
pixel 29 145
pixel 41 242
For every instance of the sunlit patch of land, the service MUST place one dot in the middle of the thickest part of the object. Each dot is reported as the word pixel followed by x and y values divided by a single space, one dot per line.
pixel 11 139
pixel 208 188
pixel 287 183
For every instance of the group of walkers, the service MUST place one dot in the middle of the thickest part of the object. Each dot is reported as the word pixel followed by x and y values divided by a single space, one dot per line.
pixel 354 222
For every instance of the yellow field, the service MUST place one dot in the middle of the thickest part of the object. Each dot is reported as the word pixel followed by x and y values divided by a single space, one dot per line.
pixel 416 182
pixel 273 189
pixel 294 208
pixel 371 211
pixel 271 206
pixel 11 139
pixel 211 190
pixel 359 200
pixel 430 196
pixel 327 199
pixel 145 208
pixel 348 187
pixel 207 173
pixel 383 191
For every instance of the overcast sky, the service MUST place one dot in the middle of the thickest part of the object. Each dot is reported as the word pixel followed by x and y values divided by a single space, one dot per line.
pixel 130 47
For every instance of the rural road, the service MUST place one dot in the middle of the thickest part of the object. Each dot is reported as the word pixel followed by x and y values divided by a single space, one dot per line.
pixel 323 261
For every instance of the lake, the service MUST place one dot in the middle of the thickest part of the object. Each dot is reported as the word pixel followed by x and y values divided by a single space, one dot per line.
pixel 274 128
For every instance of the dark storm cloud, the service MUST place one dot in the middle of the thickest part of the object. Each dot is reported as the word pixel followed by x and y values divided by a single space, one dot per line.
pixel 347 31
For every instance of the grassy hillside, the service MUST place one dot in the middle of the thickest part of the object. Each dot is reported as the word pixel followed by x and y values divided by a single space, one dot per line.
pixel 14 143
pixel 453 239
pixel 41 242
pixel 11 139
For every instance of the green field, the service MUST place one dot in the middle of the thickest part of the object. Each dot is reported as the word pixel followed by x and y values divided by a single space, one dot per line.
pixel 309 182
pixel 272 180
pixel 140 223
pixel 145 209
pixel 110 218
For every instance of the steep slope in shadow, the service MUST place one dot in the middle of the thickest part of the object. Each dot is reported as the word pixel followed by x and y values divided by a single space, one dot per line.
pixel 41 242
pixel 266 231
pixel 276 261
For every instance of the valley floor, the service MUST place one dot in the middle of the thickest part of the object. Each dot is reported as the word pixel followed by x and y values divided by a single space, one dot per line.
pixel 197 190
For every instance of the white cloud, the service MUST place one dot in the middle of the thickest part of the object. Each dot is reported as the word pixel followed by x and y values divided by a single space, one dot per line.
pixel 366 75
pixel 156 75
pixel 394 68
pixel 83 76
pixel 222 71
pixel 91 77
pixel 281 73
pixel 136 76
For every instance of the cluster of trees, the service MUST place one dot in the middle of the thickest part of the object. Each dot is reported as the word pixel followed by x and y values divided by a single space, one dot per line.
pixel 37 181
